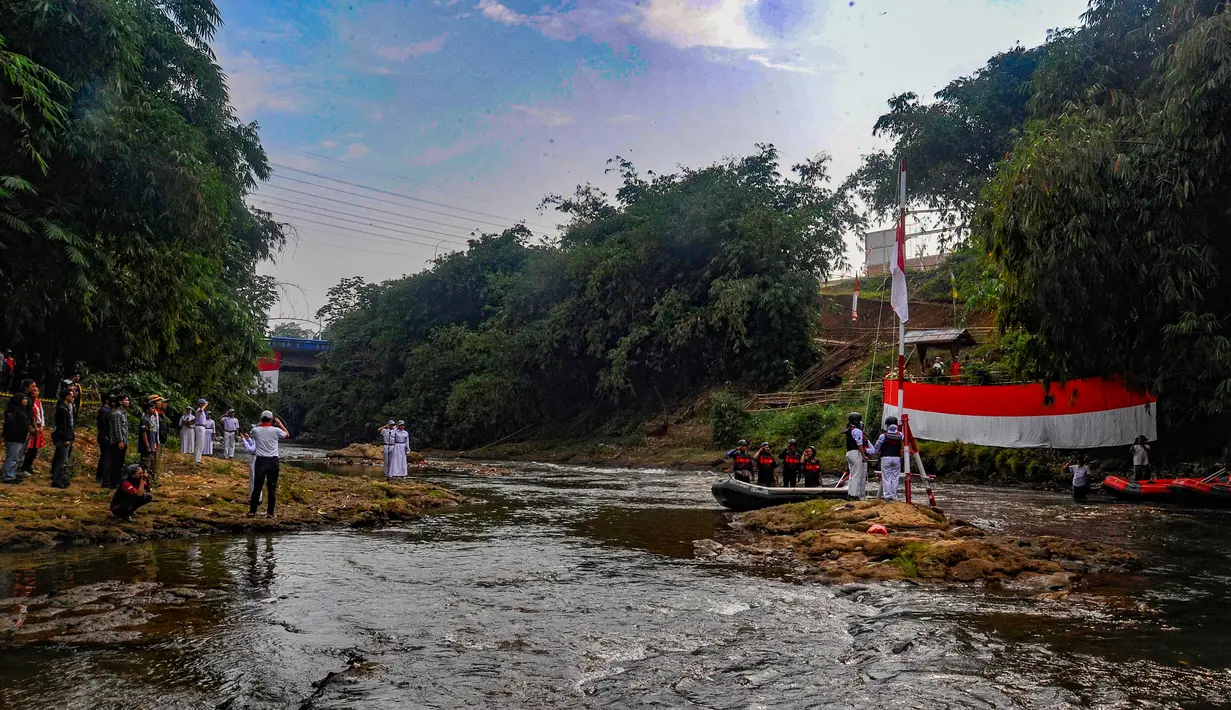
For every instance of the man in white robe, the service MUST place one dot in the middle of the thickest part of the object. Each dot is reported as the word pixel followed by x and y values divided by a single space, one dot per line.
pixel 401 446
pixel 198 430
pixel 187 437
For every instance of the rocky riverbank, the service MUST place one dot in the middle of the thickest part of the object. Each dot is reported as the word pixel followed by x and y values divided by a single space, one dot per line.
pixel 201 499
pixel 831 541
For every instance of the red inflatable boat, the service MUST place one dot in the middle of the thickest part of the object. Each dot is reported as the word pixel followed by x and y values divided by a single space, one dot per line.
pixel 1157 491
pixel 1211 492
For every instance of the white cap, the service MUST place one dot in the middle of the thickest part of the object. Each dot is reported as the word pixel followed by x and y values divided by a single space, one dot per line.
pixel 267 414
pixel 391 423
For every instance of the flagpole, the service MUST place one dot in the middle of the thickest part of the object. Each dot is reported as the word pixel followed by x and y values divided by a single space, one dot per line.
pixel 902 336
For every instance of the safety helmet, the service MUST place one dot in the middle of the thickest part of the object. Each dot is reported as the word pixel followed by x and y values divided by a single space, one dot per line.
pixel 792 441
pixel 742 442
pixel 890 421
pixel 854 418
pixel 764 444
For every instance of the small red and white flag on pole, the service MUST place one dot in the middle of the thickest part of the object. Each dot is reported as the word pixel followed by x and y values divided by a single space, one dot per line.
pixel 897 295
pixel 855 302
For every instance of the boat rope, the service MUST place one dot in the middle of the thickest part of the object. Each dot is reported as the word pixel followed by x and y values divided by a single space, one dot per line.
pixel 876 344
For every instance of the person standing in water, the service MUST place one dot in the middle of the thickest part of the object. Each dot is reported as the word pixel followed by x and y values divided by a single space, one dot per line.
pixel 889 446
pixel 1081 477
pixel 856 457
pixel 765 466
pixel 387 434
pixel 1141 459
pixel 401 447
pixel 812 468
pixel 791 460
pixel 266 436
pixel 741 462
pixel 230 427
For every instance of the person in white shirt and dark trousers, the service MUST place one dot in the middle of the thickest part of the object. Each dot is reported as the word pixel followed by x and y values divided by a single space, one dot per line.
pixel 230 426
pixel 266 436
pixel 1081 477
pixel 1141 459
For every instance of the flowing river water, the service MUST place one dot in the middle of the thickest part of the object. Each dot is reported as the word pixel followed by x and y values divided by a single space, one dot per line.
pixel 565 587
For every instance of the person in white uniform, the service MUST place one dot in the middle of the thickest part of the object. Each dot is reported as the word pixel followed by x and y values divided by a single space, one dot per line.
pixel 266 435
pixel 209 433
pixel 890 446
pixel 401 446
pixel 387 434
pixel 186 435
pixel 230 427
pixel 198 430
pixel 856 457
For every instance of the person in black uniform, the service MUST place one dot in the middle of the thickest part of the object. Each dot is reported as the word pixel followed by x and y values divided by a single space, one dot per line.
pixel 811 467
pixel 741 462
pixel 103 423
pixel 766 463
pixel 63 437
pixel 791 460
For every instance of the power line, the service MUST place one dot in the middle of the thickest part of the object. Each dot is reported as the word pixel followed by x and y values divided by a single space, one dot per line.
pixel 367 208
pixel 311 209
pixel 361 186
pixel 373 171
pixel 358 207
pixel 389 202
pixel 349 248
pixel 359 231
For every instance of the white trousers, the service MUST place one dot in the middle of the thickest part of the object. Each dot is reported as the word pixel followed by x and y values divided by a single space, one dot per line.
pixel 198 443
pixel 857 486
pixel 388 458
pixel 891 473
pixel 228 444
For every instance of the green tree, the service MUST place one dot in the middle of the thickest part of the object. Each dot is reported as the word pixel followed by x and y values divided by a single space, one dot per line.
pixel 126 240
pixel 1109 220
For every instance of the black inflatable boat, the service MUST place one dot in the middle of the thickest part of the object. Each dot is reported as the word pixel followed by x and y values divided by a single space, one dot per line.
pixel 739 496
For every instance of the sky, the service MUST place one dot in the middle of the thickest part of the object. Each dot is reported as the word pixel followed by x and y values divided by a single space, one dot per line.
pixel 397 129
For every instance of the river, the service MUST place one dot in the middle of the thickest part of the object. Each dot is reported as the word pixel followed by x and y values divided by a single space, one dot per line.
pixel 570 587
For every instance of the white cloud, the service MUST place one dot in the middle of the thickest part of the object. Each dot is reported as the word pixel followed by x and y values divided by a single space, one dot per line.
pixel 493 10
pixel 623 118
pixel 721 24
pixel 544 116
pixel 355 150
pixel 256 84
pixel 418 49
pixel 781 66
pixel 435 155
pixel 329 145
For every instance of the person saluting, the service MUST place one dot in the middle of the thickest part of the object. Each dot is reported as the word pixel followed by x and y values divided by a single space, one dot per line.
pixel 741 462
pixel 766 463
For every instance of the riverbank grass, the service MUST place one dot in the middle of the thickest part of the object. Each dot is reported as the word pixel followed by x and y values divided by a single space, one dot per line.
pixel 201 499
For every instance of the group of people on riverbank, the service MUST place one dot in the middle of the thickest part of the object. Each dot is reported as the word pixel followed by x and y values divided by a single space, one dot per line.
pixel 198 432
pixel 803 465
pixel 395 446
pixel 25 433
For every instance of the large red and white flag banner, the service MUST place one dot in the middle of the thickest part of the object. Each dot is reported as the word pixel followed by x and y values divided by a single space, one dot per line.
pixel 1080 414
pixel 855 302
pixel 897 295
pixel 268 368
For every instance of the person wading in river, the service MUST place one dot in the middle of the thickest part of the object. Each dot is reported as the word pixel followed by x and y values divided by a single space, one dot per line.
pixel 387 434
pixel 266 436
pixel 765 466
pixel 856 457
pixel 790 464
pixel 1081 477
pixel 889 446
pixel 811 468
pixel 741 462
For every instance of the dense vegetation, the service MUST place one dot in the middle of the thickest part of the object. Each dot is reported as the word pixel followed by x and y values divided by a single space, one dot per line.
pixel 1094 173
pixel 703 277
pixel 125 243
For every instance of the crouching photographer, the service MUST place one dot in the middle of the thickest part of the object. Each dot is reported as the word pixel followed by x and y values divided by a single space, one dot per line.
pixel 132 493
